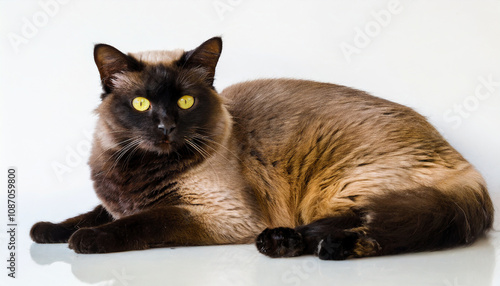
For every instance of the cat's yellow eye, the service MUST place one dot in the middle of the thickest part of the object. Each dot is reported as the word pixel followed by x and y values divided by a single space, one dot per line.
pixel 185 102
pixel 141 103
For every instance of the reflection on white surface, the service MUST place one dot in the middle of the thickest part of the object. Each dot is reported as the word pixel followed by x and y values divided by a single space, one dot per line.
pixel 243 265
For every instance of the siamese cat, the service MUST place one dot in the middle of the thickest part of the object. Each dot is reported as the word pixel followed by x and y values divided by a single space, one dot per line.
pixel 297 167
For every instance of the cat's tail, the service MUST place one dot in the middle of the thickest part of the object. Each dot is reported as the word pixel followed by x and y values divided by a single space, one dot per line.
pixel 421 219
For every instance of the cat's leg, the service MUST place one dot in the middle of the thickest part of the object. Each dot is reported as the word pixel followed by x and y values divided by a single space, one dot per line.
pixel 166 226
pixel 47 232
pixel 305 239
pixel 394 222
pixel 330 240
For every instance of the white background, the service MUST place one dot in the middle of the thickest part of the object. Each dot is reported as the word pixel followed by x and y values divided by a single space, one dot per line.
pixel 433 56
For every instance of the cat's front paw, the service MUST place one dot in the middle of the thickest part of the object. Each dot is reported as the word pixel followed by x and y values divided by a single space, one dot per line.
pixel 47 232
pixel 95 240
pixel 280 242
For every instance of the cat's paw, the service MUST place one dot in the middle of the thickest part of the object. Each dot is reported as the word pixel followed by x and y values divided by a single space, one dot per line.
pixel 95 240
pixel 337 247
pixel 47 232
pixel 280 242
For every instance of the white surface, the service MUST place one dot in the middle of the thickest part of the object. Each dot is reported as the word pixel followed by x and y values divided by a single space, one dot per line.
pixel 431 55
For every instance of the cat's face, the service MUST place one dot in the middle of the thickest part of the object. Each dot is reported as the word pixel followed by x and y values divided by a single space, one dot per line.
pixel 161 102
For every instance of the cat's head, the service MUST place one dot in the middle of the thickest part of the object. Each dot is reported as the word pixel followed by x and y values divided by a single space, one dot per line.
pixel 160 101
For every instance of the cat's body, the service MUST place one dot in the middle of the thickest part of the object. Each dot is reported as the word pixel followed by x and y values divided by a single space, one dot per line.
pixel 326 169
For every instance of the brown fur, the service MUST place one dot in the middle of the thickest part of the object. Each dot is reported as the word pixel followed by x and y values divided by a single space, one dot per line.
pixel 319 145
pixel 327 169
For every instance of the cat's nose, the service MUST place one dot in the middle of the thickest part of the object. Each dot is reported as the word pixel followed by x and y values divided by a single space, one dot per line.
pixel 166 130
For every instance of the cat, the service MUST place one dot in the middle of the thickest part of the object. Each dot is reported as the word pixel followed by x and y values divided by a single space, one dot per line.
pixel 296 167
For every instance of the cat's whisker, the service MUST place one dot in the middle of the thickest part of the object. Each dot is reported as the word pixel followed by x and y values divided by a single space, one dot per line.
pixel 118 156
pixel 207 154
pixel 218 144
pixel 197 148
pixel 142 157
pixel 216 151
pixel 128 148
pixel 200 150
pixel 125 151
pixel 115 145
pixel 137 143
pixel 116 152
pixel 120 153
pixel 131 153
pixel 119 131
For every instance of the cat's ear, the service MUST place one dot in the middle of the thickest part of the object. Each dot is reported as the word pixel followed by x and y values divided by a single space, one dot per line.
pixel 205 56
pixel 110 61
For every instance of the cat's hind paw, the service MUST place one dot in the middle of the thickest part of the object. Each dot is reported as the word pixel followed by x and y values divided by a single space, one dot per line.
pixel 335 247
pixel 280 242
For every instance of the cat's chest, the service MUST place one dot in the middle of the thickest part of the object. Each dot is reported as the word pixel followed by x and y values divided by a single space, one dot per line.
pixel 128 189
pixel 215 183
